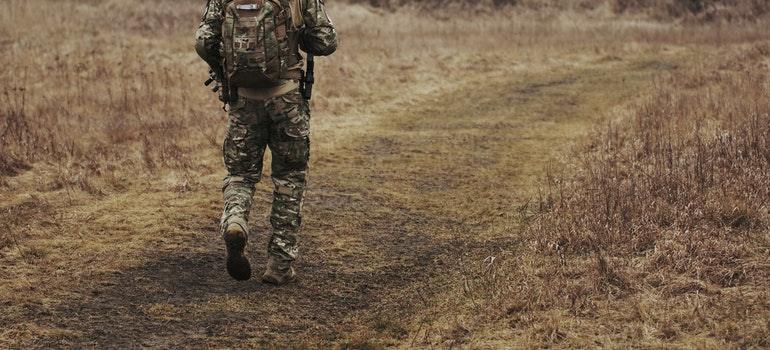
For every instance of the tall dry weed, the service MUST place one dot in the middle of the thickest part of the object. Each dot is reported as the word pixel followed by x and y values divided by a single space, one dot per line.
pixel 706 10
pixel 671 203
pixel 657 232
pixel 663 10
pixel 688 175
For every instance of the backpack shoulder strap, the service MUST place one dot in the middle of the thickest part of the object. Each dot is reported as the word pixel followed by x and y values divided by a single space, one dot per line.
pixel 296 13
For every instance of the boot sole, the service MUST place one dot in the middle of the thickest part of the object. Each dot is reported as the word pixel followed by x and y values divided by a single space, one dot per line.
pixel 238 266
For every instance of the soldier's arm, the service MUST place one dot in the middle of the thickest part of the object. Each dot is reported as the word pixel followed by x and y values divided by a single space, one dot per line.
pixel 208 37
pixel 318 36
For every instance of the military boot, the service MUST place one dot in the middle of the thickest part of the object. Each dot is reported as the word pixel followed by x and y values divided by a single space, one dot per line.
pixel 279 271
pixel 235 240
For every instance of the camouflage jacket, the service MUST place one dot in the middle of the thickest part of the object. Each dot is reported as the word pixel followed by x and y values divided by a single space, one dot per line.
pixel 316 36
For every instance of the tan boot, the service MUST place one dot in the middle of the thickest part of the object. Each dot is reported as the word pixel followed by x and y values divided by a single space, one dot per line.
pixel 235 240
pixel 278 272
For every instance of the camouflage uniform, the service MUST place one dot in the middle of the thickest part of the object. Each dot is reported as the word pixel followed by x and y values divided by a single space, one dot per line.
pixel 281 123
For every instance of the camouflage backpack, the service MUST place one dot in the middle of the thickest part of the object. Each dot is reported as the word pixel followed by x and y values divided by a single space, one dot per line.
pixel 256 45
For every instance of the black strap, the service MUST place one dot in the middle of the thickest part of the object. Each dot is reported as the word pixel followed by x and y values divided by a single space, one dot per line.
pixel 206 10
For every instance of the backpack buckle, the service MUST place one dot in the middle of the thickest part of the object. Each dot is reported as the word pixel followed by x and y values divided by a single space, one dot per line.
pixel 247 7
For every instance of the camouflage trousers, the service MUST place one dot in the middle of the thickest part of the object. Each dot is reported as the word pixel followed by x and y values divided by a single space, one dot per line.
pixel 281 124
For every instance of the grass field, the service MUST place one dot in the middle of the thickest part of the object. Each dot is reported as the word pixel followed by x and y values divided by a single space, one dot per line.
pixel 529 177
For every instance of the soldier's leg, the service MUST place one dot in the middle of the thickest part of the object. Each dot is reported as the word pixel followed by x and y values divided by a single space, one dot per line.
pixel 247 135
pixel 289 147
pixel 248 132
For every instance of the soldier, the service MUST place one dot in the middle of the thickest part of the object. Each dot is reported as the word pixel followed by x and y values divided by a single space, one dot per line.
pixel 252 46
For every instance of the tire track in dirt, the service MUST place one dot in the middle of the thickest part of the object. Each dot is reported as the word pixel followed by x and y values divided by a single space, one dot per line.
pixel 391 219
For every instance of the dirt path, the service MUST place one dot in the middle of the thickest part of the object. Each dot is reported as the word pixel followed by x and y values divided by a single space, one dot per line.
pixel 393 213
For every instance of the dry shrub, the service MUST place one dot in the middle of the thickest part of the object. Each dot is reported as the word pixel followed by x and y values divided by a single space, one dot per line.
pixel 671 202
pixel 480 4
pixel 14 131
pixel 669 7
pixel 686 182
pixel 98 98
pixel 700 10
pixel 730 10
pixel 659 235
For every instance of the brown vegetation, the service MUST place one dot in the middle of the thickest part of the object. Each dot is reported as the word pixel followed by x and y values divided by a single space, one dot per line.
pixel 659 230
pixel 441 212
pixel 665 10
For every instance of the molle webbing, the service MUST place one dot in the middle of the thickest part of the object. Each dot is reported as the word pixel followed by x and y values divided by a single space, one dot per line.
pixel 258 43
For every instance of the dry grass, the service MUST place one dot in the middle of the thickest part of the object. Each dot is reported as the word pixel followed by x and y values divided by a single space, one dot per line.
pixel 730 11
pixel 655 234
pixel 430 133
pixel 670 205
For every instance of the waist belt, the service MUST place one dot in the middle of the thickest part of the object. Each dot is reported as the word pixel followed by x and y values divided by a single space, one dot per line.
pixel 270 92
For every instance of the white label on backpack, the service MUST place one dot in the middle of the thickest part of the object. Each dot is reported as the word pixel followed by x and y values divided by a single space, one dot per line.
pixel 247 7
